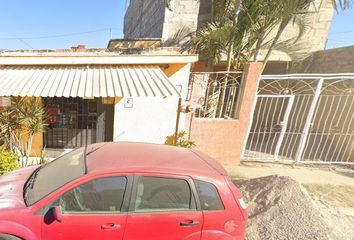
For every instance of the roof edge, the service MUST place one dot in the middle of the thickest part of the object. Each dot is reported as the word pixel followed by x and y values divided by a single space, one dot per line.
pixel 96 60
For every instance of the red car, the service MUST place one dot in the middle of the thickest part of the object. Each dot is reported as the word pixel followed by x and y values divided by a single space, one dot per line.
pixel 127 191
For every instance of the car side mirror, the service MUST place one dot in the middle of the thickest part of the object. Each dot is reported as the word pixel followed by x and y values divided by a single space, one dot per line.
pixel 57 214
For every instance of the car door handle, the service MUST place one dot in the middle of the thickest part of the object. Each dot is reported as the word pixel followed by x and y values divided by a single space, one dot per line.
pixel 189 223
pixel 110 226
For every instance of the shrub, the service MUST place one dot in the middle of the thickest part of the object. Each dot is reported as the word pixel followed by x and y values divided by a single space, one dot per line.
pixel 182 140
pixel 8 161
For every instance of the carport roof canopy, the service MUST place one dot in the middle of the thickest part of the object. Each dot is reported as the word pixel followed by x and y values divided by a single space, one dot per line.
pixel 86 81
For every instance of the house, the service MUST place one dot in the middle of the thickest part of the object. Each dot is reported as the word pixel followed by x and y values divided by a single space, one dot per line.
pixel 151 19
pixel 290 120
pixel 96 96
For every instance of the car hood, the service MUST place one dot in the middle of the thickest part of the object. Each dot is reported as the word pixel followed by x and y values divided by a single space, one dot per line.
pixel 11 188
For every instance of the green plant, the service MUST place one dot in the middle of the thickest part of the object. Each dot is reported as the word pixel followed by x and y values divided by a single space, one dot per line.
pixel 8 161
pixel 10 129
pixel 182 140
pixel 19 123
pixel 43 159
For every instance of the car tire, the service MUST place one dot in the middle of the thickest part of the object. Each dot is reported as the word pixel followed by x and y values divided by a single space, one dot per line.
pixel 8 237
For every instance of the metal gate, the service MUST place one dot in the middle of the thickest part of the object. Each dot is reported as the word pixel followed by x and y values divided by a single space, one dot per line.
pixel 303 118
pixel 268 130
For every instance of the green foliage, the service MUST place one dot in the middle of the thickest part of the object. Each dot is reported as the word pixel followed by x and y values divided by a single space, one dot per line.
pixel 8 161
pixel 182 140
pixel 240 29
pixel 342 4
pixel 19 123
pixel 10 128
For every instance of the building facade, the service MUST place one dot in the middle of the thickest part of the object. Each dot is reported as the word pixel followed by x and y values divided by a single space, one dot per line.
pixel 151 19
pixel 98 97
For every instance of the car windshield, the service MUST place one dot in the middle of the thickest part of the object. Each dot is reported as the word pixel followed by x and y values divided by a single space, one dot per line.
pixel 54 175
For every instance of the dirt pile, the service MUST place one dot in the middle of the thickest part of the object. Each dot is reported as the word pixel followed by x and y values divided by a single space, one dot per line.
pixel 279 208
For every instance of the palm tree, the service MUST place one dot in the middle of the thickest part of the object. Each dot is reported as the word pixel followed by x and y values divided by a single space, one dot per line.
pixel 19 123
pixel 10 129
pixel 290 11
pixel 239 29
pixel 31 114
pixel 342 4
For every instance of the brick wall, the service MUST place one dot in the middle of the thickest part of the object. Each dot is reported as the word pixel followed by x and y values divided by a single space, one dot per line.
pixel 338 60
pixel 223 139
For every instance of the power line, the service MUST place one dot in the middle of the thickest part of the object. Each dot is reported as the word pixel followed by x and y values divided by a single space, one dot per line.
pixel 26 43
pixel 341 41
pixel 349 31
pixel 59 35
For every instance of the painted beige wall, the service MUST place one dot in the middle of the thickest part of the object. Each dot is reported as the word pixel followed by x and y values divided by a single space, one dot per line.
pixel 151 119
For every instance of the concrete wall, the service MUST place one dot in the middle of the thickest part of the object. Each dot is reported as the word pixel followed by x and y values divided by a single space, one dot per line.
pixel 150 18
pixel 152 119
pixel 315 36
pixel 337 60
pixel 184 14
pixel 224 139
pixel 144 19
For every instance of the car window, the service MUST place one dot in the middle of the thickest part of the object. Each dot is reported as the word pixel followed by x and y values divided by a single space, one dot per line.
pixel 209 196
pixel 54 175
pixel 103 195
pixel 155 194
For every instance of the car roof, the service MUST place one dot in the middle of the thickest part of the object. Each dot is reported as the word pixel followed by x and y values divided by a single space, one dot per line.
pixel 143 157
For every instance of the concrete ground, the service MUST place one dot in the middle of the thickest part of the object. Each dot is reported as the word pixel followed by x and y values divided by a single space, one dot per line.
pixel 328 175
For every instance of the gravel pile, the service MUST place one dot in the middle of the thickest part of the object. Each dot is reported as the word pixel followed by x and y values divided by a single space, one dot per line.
pixel 279 208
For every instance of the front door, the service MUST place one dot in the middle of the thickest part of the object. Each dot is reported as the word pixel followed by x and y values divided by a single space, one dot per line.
pixel 92 210
pixel 163 208
pixel 104 127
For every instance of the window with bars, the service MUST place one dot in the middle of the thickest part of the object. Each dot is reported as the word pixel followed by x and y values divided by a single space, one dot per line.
pixel 71 122
pixel 215 94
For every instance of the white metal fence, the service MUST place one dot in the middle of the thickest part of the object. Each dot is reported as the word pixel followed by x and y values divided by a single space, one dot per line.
pixel 303 118
pixel 215 94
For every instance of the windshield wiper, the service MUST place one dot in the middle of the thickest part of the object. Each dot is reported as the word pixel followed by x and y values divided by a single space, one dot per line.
pixel 30 183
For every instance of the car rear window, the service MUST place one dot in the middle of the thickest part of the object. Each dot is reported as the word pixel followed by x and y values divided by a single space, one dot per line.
pixel 209 196
pixel 155 194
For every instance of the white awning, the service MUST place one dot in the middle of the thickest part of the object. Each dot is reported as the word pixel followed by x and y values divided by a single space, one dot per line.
pixel 85 81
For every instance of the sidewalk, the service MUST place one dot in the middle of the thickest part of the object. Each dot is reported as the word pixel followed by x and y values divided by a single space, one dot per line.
pixel 303 174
